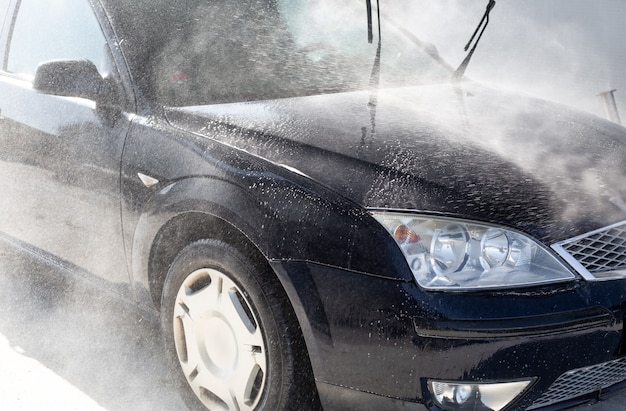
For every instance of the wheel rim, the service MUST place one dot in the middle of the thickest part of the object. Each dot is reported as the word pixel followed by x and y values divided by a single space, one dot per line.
pixel 219 342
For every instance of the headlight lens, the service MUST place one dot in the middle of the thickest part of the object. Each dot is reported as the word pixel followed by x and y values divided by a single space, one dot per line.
pixel 455 254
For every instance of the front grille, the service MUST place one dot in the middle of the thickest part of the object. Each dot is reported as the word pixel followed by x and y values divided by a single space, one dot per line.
pixel 576 383
pixel 599 254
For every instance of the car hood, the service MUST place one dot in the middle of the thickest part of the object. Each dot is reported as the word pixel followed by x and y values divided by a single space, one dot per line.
pixel 459 150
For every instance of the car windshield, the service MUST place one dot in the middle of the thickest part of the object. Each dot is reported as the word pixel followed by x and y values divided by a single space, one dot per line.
pixel 228 51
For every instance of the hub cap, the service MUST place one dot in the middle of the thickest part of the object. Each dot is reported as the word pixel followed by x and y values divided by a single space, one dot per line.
pixel 219 342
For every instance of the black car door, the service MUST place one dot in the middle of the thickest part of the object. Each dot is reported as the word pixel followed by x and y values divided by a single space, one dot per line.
pixel 60 156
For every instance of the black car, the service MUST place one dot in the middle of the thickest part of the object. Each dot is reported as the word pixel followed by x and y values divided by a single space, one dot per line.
pixel 321 216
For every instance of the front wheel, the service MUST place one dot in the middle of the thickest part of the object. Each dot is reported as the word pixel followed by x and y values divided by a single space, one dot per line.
pixel 231 335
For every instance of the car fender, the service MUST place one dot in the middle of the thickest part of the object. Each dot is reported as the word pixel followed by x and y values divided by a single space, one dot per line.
pixel 276 216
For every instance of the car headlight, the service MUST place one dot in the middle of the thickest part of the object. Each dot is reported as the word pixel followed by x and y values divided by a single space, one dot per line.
pixel 450 254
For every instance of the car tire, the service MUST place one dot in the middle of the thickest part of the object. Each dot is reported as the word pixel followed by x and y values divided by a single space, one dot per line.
pixel 232 338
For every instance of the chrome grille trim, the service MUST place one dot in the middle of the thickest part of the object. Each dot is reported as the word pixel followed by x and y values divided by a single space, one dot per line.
pixel 581 381
pixel 597 255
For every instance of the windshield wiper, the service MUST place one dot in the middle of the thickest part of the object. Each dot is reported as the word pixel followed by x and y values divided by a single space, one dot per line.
pixel 370 29
pixel 375 75
pixel 458 74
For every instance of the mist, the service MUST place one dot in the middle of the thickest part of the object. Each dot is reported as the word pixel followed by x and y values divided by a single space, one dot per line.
pixel 66 344
pixel 567 51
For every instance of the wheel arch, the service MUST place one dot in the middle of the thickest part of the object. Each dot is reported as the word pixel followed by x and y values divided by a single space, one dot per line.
pixel 178 213
pixel 182 230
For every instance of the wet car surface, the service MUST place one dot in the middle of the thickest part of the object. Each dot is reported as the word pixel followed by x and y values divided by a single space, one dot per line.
pixel 316 227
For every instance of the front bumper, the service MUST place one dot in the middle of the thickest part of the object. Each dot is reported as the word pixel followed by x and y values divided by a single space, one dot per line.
pixel 371 337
